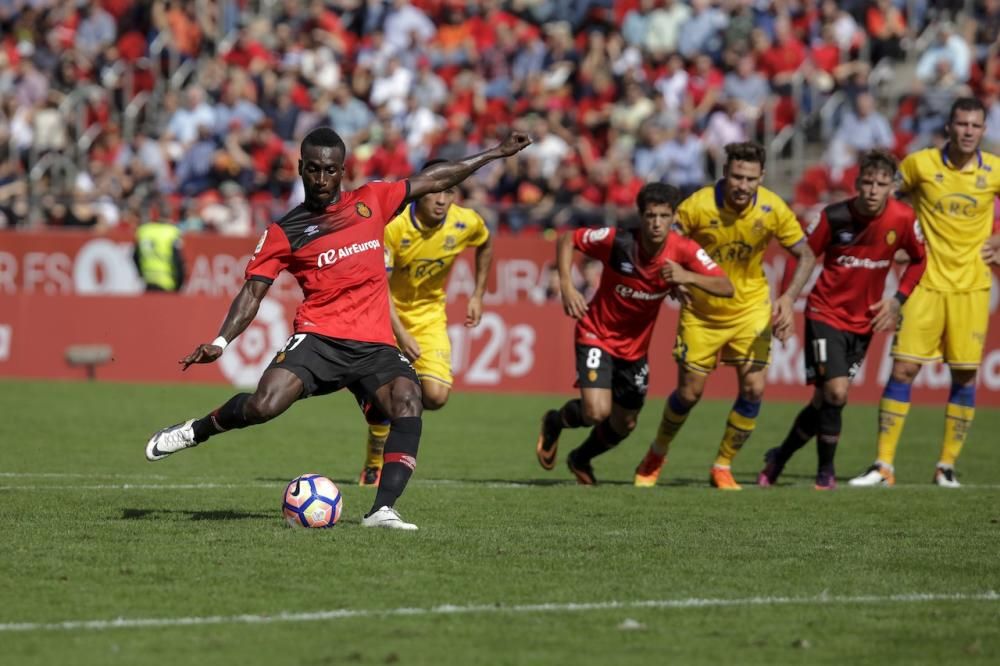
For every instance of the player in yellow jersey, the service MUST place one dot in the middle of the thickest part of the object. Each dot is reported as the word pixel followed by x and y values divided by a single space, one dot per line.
pixel 421 244
pixel 734 221
pixel 952 190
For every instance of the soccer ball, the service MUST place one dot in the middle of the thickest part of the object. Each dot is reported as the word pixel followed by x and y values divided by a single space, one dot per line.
pixel 312 500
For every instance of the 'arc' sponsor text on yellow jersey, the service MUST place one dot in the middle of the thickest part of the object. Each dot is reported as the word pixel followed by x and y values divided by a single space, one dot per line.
pixel 420 258
pixel 955 209
pixel 736 241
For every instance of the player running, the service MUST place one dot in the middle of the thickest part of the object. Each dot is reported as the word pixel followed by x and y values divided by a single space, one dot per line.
pixel 953 189
pixel 613 331
pixel 858 239
pixel 421 245
pixel 734 221
pixel 332 244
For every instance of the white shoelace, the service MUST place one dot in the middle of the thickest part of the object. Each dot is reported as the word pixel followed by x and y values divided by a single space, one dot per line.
pixel 176 439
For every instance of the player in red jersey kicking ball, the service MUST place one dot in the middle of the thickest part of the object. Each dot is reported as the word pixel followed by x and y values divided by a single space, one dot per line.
pixel 332 244
pixel 613 331
pixel 858 239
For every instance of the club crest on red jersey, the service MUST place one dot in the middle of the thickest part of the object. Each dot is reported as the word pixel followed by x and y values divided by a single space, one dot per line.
pixel 890 238
pixel 363 209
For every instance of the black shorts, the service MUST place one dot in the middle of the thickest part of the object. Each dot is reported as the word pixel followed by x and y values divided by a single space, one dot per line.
pixel 326 365
pixel 628 380
pixel 831 352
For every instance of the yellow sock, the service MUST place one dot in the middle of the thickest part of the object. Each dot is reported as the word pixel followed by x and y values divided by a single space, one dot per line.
pixel 738 430
pixel 675 414
pixel 891 418
pixel 957 419
pixel 377 434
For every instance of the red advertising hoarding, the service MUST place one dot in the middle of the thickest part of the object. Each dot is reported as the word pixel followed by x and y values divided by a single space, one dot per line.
pixel 59 289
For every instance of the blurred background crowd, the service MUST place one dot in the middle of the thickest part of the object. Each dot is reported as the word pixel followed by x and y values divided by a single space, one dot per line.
pixel 192 110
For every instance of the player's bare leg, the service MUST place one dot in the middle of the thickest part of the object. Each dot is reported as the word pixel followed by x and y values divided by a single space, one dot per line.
pixel 608 432
pixel 958 418
pixel 277 390
pixel 892 411
pixel 690 387
pixel 400 399
pixel 435 394
pixel 740 424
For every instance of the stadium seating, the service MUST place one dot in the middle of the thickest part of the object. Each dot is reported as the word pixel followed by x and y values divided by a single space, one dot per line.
pixel 192 109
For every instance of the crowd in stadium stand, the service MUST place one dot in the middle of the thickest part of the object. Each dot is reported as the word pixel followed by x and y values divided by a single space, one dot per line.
pixel 113 110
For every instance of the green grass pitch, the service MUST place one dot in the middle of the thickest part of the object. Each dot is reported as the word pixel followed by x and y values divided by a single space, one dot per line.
pixel 512 564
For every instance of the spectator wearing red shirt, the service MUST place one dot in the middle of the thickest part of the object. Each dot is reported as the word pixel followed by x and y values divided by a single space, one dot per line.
pixel 780 59
pixel 704 86
pixel 391 160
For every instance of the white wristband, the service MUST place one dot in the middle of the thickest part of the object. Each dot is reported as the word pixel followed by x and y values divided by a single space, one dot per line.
pixel 220 342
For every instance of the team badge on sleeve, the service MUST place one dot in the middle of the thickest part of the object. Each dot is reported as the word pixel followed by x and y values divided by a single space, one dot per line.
pixel 363 209
pixel 813 223
pixel 918 232
pixel 260 245
pixel 596 235
pixel 705 259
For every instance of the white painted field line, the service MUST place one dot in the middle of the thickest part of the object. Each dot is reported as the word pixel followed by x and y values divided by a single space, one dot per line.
pixel 145 486
pixel 77 475
pixel 449 483
pixel 481 609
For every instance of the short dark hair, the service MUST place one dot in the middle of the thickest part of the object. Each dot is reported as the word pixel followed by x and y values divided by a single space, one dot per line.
pixel 746 151
pixel 652 194
pixel 324 137
pixel 879 159
pixel 966 104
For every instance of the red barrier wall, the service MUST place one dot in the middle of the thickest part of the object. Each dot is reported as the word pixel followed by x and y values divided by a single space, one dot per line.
pixel 60 289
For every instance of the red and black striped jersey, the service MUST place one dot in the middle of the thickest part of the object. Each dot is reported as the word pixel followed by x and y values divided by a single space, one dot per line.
pixel 336 255
pixel 621 315
pixel 857 254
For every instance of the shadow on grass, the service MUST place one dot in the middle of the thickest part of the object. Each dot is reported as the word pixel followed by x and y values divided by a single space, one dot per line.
pixel 153 514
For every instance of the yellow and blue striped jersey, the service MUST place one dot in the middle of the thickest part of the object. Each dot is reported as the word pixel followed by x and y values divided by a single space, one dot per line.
pixel 955 209
pixel 420 258
pixel 736 241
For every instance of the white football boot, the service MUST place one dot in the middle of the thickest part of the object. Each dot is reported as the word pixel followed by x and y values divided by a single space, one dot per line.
pixel 170 440
pixel 944 476
pixel 387 517
pixel 878 474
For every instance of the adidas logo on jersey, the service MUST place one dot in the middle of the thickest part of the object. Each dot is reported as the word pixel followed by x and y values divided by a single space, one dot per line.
pixel 331 257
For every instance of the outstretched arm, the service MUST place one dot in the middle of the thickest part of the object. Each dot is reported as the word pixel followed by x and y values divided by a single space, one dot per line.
pixel 441 176
pixel 783 315
pixel 484 260
pixel 241 313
